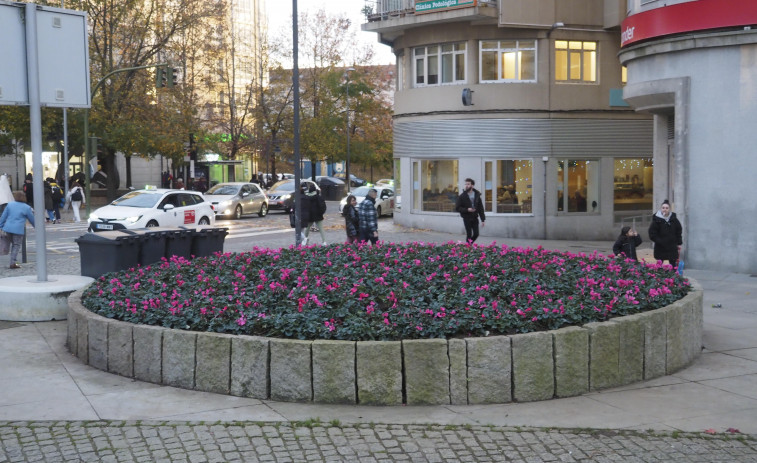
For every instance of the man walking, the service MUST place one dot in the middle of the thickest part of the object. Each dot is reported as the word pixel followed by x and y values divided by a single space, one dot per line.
pixel 13 223
pixel 368 217
pixel 470 207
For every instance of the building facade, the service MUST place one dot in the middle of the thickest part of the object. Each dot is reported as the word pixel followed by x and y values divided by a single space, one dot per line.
pixel 693 66
pixel 524 97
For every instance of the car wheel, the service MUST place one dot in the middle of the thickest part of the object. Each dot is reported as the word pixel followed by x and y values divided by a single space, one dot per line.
pixel 151 224
pixel 378 211
pixel 204 221
pixel 238 212
pixel 263 210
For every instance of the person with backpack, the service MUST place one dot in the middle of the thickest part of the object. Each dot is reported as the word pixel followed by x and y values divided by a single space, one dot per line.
pixel 76 196
pixel 57 197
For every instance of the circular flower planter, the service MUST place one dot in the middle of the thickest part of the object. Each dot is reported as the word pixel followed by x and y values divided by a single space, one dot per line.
pixel 497 369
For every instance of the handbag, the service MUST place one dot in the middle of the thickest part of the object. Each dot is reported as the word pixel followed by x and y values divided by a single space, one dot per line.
pixel 292 222
pixel 5 244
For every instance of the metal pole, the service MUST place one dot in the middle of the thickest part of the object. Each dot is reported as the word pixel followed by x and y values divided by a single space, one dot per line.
pixel 347 164
pixel 35 127
pixel 296 103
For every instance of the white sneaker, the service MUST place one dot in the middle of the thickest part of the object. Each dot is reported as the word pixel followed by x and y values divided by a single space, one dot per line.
pixel 324 244
pixel 304 241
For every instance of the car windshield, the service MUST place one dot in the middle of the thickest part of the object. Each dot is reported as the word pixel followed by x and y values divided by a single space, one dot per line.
pixel 283 186
pixel 223 190
pixel 361 191
pixel 138 199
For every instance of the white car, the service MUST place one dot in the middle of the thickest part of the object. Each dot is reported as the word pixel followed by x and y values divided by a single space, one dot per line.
pixel 385 182
pixel 384 199
pixel 153 208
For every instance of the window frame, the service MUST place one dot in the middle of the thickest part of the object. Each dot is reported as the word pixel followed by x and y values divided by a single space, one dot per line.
pixel 500 50
pixel 583 52
pixel 438 54
pixel 492 183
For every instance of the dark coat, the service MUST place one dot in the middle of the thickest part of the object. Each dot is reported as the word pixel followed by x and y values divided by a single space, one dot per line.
pixel 627 245
pixel 351 220
pixel 48 196
pixel 313 207
pixel 666 235
pixel 463 203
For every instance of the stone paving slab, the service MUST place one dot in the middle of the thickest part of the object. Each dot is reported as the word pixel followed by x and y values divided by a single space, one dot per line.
pixel 174 441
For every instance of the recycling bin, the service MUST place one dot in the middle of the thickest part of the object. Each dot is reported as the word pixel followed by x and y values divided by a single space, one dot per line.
pixel 207 240
pixel 178 241
pixel 108 251
pixel 152 244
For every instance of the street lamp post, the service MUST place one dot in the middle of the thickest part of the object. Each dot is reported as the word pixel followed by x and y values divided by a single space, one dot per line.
pixel 347 164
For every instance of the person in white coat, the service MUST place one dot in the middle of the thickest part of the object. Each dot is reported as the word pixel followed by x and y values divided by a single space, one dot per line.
pixel 76 197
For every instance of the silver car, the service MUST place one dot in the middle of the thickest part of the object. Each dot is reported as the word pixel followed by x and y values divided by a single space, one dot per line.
pixel 237 199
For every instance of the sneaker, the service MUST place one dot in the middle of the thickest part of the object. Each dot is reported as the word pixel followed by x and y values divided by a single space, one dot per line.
pixel 304 241
pixel 15 266
pixel 324 244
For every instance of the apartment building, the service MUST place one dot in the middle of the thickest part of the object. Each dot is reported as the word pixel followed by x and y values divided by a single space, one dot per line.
pixel 693 66
pixel 524 97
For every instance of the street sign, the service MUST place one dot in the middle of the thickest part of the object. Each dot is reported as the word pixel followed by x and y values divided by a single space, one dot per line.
pixel 13 87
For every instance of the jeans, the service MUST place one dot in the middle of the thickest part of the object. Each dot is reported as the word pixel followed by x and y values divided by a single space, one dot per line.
pixel 366 235
pixel 318 224
pixel 16 241
pixel 471 229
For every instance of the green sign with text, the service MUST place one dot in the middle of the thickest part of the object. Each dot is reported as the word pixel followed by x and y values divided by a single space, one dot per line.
pixel 427 6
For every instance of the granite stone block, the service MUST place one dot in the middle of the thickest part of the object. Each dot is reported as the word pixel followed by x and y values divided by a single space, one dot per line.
pixel 71 331
pixel 533 367
pixel 179 349
pixel 675 341
pixel 655 340
pixel 571 346
pixel 82 337
pixel 426 371
pixel 489 370
pixel 334 372
pixel 98 342
pixel 379 372
pixel 631 353
pixel 120 348
pixel 249 367
pixel 148 353
pixel 291 370
pixel 458 371
pixel 213 368
pixel 604 354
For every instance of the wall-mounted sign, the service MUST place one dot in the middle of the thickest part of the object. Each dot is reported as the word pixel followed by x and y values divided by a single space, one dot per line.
pixel 431 6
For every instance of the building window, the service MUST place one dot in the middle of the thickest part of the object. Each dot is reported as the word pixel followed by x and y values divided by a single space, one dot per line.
pixel 578 185
pixel 632 185
pixel 623 75
pixel 575 61
pixel 507 186
pixel 507 61
pixel 439 64
pixel 397 185
pixel 435 185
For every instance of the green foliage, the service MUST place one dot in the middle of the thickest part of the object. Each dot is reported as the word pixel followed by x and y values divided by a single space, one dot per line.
pixel 386 292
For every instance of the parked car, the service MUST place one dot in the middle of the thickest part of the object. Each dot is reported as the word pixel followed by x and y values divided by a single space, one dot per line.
pixel 384 199
pixel 152 208
pixel 332 188
pixel 280 194
pixel 237 199
pixel 354 181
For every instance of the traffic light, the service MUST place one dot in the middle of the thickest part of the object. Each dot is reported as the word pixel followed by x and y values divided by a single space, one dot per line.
pixel 161 77
pixel 172 76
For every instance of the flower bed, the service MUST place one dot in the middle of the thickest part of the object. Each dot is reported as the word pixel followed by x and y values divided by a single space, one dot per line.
pixel 388 292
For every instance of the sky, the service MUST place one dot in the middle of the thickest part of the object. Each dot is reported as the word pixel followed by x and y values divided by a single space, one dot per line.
pixel 280 13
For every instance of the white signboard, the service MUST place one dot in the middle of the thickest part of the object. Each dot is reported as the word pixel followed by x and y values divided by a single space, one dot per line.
pixel 63 57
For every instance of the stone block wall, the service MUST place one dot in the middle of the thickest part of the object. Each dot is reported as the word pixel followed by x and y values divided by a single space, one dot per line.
pixel 497 369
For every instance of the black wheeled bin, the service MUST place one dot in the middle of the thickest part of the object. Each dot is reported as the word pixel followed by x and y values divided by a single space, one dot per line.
pixel 207 240
pixel 108 251
pixel 178 241
pixel 152 244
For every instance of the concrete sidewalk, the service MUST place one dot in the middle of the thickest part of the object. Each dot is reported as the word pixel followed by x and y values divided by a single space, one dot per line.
pixel 40 382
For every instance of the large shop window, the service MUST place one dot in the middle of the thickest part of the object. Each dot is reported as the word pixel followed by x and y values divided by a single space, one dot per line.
pixel 575 61
pixel 632 184
pixel 439 64
pixel 397 185
pixel 435 185
pixel 508 61
pixel 507 186
pixel 578 185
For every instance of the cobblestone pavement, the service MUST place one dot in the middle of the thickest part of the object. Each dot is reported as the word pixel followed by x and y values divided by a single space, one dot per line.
pixel 123 441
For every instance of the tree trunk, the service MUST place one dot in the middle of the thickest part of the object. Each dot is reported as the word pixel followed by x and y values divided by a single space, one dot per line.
pixel 128 171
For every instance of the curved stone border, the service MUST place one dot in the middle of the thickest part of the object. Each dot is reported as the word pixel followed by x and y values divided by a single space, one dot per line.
pixel 497 369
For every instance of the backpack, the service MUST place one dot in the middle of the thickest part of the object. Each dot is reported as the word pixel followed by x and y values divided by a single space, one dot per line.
pixel 76 195
pixel 57 195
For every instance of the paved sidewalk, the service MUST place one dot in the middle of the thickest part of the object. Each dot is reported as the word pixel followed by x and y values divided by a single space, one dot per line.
pixel 54 408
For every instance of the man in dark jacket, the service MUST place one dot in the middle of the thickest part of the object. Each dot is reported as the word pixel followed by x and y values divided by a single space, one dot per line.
pixel 313 208
pixel 369 217
pixel 666 233
pixel 470 207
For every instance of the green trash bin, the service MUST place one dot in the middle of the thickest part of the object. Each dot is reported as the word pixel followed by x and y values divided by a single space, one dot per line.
pixel 152 244
pixel 207 240
pixel 108 251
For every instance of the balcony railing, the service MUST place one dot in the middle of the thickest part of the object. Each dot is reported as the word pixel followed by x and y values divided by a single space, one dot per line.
pixel 385 8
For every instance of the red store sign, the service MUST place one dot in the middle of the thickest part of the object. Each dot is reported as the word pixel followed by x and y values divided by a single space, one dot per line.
pixel 692 16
